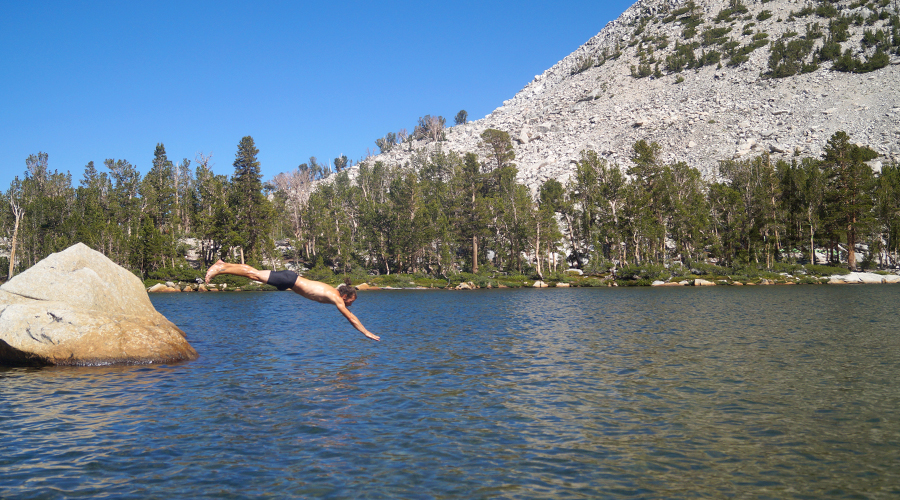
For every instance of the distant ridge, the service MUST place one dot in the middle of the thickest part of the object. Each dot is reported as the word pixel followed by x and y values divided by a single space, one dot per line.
pixel 625 84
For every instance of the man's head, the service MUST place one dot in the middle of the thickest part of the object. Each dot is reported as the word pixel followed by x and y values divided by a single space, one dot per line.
pixel 347 292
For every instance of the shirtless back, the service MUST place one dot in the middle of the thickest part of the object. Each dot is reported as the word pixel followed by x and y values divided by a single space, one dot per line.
pixel 312 290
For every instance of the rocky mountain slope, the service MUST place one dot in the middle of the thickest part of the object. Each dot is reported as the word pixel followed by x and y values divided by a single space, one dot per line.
pixel 667 71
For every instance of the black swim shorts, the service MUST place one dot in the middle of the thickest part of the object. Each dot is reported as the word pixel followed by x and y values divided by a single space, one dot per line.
pixel 282 280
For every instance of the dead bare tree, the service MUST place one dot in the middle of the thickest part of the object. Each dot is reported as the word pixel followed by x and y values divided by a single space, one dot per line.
pixel 296 187
pixel 18 213
pixel 435 127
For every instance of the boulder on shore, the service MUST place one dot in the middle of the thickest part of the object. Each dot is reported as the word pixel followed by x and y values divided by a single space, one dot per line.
pixel 863 278
pixel 77 307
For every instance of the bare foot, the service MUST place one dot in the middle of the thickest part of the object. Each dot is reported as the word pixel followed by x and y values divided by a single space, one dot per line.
pixel 214 270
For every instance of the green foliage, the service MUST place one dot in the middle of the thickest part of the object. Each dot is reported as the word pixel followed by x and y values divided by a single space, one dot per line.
pixel 681 58
pixel 830 50
pixel 583 64
pixel 647 272
pixel 177 274
pixel 387 142
pixel 714 36
pixel 231 280
pixel 443 213
pixel 462 117
pixel 839 29
pixel 849 64
pixel 763 15
pixel 788 59
pixel 701 268
pixel 817 270
pixel 319 272
pixel 642 70
pixel 734 9
pixel 253 213
pixel 710 58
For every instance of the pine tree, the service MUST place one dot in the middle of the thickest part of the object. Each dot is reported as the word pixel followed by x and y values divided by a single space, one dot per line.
pixel 849 188
pixel 252 211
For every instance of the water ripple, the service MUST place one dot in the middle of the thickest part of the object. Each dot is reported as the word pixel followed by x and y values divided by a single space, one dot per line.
pixel 642 393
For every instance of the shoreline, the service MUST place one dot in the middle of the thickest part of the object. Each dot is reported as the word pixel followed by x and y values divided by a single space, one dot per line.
pixel 853 278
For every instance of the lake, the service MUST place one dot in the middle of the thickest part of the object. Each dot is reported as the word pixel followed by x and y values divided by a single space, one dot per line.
pixel 708 392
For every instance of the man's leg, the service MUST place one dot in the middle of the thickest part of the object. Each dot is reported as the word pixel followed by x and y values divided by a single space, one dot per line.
pixel 237 270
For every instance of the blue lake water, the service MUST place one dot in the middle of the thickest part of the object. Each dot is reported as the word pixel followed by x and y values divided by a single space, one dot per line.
pixel 719 392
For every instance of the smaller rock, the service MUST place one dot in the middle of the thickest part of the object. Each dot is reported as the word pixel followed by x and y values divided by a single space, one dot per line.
pixel 669 283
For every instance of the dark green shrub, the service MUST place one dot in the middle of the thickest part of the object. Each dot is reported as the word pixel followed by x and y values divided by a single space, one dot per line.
pixel 830 50
pixel 648 272
pixel 839 29
pixel 786 267
pixel 729 46
pixel 818 270
pixel 738 59
pixel 872 38
pixel 787 59
pixel 762 16
pixel 395 281
pixel 183 274
pixel 707 269
pixel 710 58
pixel 583 64
pixel 231 280
pixel 681 58
pixel 878 60
pixel 714 36
pixel 826 9
pixel 641 71
pixel 813 31
pixel 319 272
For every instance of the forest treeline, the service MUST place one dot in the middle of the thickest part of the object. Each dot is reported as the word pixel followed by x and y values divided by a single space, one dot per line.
pixel 444 212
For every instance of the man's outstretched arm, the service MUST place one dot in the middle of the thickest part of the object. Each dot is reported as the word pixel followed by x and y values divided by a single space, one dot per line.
pixel 356 322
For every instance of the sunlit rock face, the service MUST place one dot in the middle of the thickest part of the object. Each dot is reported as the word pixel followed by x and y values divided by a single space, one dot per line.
pixel 593 100
pixel 77 307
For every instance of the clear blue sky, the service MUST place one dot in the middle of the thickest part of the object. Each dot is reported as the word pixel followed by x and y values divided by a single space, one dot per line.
pixel 86 81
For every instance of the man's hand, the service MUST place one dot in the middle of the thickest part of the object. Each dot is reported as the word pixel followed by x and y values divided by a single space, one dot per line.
pixel 355 321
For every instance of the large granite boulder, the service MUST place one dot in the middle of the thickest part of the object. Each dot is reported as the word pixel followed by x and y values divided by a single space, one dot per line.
pixel 77 307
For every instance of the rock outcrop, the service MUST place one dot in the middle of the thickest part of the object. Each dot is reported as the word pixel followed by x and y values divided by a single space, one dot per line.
pixel 77 307
pixel 863 278
pixel 719 111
